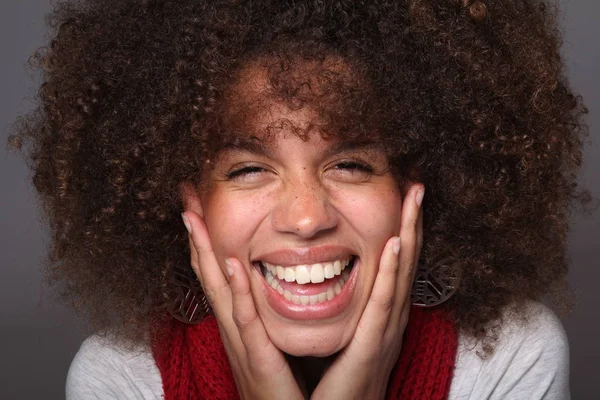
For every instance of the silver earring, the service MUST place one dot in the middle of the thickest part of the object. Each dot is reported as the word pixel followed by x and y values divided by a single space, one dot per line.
pixel 434 284
pixel 185 299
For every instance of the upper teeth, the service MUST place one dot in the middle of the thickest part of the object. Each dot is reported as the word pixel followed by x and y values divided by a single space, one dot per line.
pixel 302 274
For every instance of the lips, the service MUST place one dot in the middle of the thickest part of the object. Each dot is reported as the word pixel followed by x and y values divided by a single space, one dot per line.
pixel 305 255
pixel 308 283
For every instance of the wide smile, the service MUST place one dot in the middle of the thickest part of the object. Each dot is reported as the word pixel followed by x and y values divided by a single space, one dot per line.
pixel 310 291
pixel 309 283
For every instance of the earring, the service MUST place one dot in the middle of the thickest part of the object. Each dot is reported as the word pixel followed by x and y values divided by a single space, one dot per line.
pixel 434 284
pixel 184 296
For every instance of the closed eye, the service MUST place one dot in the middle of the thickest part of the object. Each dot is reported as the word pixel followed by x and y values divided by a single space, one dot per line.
pixel 244 172
pixel 354 166
pixel 351 171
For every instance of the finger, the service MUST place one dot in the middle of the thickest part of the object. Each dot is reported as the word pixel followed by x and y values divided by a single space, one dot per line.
pixel 411 231
pixel 204 262
pixel 375 318
pixel 419 246
pixel 194 258
pixel 250 326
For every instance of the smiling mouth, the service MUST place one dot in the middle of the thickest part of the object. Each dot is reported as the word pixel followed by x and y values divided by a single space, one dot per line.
pixel 308 284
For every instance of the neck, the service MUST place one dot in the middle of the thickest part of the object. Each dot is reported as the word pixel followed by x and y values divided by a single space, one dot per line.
pixel 308 371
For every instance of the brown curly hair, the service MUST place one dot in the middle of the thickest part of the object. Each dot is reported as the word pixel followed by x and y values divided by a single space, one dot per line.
pixel 469 97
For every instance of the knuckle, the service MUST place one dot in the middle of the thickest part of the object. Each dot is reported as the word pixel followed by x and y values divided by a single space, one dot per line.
pixel 206 250
pixel 410 268
pixel 197 270
pixel 210 294
pixel 414 222
pixel 243 321
pixel 384 303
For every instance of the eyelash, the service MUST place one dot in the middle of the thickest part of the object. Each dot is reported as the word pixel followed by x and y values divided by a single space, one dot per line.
pixel 351 165
pixel 236 173
pixel 355 166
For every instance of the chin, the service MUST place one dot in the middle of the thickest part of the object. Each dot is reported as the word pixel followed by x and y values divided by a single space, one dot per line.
pixel 310 341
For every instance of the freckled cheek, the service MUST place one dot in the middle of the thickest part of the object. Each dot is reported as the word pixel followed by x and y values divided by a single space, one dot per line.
pixel 377 215
pixel 233 221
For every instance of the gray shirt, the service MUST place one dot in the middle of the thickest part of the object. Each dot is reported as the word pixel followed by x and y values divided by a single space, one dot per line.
pixel 530 361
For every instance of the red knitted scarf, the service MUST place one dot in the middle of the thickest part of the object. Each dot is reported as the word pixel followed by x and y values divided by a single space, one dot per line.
pixel 193 364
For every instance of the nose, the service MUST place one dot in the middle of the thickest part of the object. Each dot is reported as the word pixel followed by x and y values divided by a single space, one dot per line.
pixel 304 209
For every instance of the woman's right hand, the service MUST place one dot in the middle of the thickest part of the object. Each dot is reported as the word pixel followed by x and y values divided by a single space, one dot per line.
pixel 260 369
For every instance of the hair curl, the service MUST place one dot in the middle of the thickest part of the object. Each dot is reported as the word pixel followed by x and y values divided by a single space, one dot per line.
pixel 469 97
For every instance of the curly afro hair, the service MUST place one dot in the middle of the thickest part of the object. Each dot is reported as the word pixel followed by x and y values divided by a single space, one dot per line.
pixel 469 97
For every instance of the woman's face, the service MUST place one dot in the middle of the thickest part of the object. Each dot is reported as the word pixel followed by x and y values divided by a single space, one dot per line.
pixel 308 219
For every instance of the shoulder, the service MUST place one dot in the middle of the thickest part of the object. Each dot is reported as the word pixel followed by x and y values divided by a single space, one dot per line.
pixel 103 369
pixel 530 360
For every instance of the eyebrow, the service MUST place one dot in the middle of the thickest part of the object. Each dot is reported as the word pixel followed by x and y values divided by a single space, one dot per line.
pixel 250 144
pixel 349 146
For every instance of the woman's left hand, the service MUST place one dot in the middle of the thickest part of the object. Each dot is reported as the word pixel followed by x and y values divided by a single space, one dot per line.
pixel 362 369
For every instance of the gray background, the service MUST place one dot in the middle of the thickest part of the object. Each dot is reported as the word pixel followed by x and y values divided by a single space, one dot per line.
pixel 38 337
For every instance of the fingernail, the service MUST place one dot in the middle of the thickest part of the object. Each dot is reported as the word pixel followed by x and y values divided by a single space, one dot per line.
pixel 186 222
pixel 396 245
pixel 229 267
pixel 419 196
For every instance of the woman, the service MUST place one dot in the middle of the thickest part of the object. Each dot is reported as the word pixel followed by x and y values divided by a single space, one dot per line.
pixel 298 139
